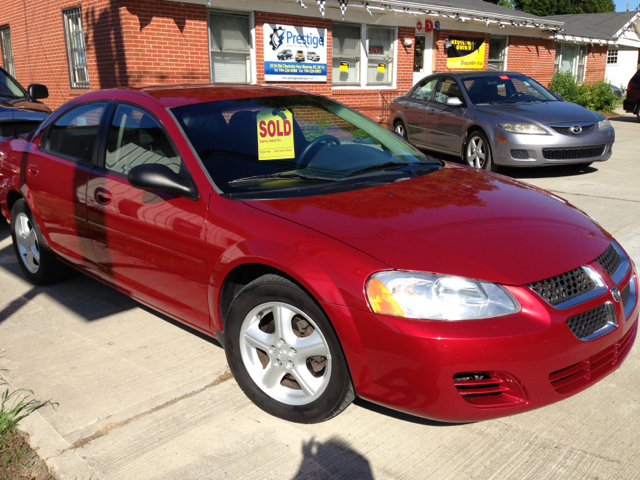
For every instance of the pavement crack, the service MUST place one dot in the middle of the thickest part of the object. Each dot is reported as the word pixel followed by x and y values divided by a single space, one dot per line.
pixel 594 196
pixel 110 427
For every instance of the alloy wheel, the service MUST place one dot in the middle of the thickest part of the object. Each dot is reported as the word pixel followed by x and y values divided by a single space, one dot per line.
pixel 27 241
pixel 400 130
pixel 285 353
pixel 476 152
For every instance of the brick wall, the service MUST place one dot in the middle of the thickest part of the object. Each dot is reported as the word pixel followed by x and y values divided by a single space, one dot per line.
pixel 441 51
pixel 596 63
pixel 532 56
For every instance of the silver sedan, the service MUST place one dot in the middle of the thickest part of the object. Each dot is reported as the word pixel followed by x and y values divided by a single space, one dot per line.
pixel 493 119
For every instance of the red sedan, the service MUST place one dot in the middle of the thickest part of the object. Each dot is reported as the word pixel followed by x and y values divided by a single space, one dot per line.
pixel 328 256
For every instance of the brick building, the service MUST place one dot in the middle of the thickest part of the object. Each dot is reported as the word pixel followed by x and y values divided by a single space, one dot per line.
pixel 365 58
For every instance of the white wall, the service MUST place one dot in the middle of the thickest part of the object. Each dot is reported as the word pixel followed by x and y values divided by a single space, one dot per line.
pixel 619 74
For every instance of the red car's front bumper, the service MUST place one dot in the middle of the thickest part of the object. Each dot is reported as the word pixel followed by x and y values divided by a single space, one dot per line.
pixel 462 371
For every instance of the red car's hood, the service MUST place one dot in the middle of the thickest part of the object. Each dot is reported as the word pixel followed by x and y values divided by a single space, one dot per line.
pixel 456 221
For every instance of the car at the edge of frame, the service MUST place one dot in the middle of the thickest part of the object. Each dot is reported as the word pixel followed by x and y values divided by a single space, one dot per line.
pixel 329 257
pixel 494 119
pixel 20 110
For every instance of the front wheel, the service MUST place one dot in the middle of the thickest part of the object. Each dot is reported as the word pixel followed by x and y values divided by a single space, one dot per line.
pixel 477 152
pixel 284 354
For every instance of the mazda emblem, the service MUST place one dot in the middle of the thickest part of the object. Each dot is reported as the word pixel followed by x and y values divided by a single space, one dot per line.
pixel 576 129
pixel 615 293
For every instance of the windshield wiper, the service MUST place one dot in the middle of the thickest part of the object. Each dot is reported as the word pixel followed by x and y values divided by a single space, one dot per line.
pixel 382 165
pixel 280 176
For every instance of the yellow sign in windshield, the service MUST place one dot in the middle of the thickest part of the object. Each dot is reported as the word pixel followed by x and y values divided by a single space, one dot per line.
pixel 275 134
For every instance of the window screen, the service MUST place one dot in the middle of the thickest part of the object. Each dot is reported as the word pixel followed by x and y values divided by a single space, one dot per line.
pixel 135 138
pixel 346 54
pixel 7 52
pixel 230 48
pixel 74 134
pixel 76 55
pixel 380 51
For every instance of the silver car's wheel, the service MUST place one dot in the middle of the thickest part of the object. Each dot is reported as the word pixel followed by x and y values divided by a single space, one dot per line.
pixel 478 152
pixel 27 242
pixel 401 130
pixel 285 353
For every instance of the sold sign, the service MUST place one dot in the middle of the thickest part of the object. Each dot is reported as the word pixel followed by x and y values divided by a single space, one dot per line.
pixel 275 134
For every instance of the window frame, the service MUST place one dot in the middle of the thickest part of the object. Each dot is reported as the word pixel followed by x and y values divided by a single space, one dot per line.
pixel 505 52
pixel 612 56
pixel 359 57
pixel 72 64
pixel 393 61
pixel 251 62
pixel 7 53
pixel 44 142
pixel 578 64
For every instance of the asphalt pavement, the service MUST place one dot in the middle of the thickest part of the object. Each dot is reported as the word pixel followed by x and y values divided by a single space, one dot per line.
pixel 141 397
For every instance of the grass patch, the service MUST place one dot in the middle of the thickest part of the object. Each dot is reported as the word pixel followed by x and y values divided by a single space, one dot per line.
pixel 17 459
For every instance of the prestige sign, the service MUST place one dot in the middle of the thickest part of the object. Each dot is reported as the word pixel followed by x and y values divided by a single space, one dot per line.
pixel 296 54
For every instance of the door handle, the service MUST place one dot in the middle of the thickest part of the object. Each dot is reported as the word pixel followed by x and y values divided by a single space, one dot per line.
pixel 102 196
pixel 32 170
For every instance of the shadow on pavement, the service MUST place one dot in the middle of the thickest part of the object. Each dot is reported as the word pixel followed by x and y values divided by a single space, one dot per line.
pixel 332 459
pixel 405 417
pixel 624 119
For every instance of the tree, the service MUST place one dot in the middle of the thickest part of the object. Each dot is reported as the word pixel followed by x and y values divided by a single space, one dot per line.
pixel 502 3
pixel 563 7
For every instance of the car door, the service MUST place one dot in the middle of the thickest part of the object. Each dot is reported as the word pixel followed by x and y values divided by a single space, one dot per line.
pixel 446 124
pixel 414 109
pixel 150 244
pixel 57 173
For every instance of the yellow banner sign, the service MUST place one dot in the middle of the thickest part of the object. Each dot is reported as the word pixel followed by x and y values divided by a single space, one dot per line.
pixel 473 61
pixel 275 134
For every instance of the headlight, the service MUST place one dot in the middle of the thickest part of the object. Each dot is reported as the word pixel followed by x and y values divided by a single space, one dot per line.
pixel 437 297
pixel 603 124
pixel 527 128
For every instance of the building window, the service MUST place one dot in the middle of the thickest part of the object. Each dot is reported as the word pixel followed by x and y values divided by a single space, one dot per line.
pixel 497 53
pixel 230 46
pixel 612 57
pixel 571 57
pixel 7 53
pixel 346 54
pixel 76 54
pixel 380 41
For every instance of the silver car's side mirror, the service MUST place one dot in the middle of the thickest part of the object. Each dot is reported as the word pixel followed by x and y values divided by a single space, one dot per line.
pixel 453 102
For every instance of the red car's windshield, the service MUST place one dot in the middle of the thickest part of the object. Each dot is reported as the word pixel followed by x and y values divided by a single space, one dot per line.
pixel 274 143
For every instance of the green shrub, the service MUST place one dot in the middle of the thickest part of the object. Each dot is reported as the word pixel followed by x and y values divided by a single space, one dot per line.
pixel 565 84
pixel 597 96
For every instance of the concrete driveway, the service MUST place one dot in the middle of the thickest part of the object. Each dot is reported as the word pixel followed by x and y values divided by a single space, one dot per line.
pixel 141 397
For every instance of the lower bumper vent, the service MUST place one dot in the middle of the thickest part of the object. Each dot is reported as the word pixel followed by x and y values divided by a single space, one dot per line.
pixel 583 374
pixel 573 153
pixel 489 389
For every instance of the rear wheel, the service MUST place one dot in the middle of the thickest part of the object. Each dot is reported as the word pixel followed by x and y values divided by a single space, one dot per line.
pixel 477 152
pixel 401 130
pixel 284 353
pixel 36 260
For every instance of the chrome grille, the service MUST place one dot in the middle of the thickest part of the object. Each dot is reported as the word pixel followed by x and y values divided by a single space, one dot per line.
pixel 567 130
pixel 587 323
pixel 573 153
pixel 563 287
pixel 610 260
pixel 625 294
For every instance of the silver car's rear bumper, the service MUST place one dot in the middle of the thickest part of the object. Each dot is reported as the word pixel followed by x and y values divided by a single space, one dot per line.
pixel 554 149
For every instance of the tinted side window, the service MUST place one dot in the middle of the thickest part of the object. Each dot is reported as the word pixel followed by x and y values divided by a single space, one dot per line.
pixel 136 137
pixel 424 91
pixel 448 88
pixel 74 133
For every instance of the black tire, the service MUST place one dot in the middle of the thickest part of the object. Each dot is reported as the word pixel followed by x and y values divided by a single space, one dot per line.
pixel 246 309
pixel 476 145
pixel 47 268
pixel 400 128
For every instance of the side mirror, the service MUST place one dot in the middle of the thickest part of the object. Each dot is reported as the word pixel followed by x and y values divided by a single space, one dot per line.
pixel 557 95
pixel 156 177
pixel 453 102
pixel 37 91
